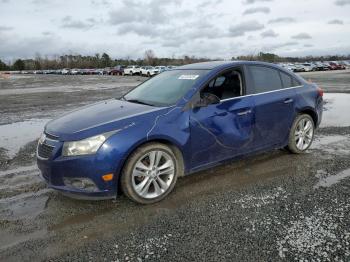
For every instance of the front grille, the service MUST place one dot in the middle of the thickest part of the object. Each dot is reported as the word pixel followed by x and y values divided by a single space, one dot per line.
pixel 45 151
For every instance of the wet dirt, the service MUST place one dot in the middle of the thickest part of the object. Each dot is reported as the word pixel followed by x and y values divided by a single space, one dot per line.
pixel 266 206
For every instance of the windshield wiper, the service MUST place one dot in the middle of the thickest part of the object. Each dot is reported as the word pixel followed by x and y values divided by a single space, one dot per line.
pixel 137 101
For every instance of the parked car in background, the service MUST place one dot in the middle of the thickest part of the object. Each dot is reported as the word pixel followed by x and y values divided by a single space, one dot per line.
pixel 308 67
pixel 337 65
pixel 160 69
pixel 320 66
pixel 330 66
pixel 117 70
pixel 346 64
pixel 132 70
pixel 299 68
pixel 144 70
pixel 75 71
pixel 289 67
pixel 149 71
pixel 162 129
pixel 65 71
pixel 100 71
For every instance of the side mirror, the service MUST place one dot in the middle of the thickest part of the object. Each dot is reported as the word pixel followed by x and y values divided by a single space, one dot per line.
pixel 207 99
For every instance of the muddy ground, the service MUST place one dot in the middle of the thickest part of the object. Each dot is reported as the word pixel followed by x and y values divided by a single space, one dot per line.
pixel 268 207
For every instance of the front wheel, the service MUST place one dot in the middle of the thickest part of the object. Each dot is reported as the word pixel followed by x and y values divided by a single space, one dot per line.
pixel 150 173
pixel 301 134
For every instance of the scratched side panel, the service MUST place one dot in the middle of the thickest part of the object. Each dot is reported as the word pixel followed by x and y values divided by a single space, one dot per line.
pixel 173 126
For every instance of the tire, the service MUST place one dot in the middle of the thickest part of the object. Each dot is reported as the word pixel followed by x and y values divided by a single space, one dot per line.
pixel 141 187
pixel 148 74
pixel 301 134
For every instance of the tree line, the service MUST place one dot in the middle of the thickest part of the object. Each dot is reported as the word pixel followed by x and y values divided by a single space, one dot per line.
pixel 104 60
pixel 273 58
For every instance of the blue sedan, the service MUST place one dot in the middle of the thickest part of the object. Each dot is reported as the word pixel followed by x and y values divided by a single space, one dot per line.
pixel 184 120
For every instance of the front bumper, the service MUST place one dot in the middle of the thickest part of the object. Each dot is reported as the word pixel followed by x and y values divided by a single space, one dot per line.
pixel 57 170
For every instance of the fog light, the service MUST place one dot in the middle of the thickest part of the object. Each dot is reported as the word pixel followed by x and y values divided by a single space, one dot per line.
pixel 80 183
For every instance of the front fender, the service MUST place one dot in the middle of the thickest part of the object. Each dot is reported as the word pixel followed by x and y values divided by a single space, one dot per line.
pixel 171 126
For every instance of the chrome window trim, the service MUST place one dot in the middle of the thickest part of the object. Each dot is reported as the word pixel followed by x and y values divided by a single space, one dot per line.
pixel 277 90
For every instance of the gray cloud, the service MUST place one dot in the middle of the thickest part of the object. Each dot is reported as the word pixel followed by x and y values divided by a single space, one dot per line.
pixel 281 45
pixel 248 2
pixel 254 10
pixel 153 12
pixel 47 33
pixel 140 29
pixel 342 2
pixel 68 22
pixel 308 45
pixel 302 36
pixel 5 28
pixel 242 28
pixel 170 28
pixel 282 20
pixel 209 3
pixel 269 33
pixel 198 30
pixel 336 22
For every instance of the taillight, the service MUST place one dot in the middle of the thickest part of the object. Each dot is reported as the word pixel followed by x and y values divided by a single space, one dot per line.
pixel 320 91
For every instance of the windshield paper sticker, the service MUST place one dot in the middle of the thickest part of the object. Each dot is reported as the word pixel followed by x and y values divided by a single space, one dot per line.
pixel 189 77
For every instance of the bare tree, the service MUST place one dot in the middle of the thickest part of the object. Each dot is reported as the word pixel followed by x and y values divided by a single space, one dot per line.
pixel 150 57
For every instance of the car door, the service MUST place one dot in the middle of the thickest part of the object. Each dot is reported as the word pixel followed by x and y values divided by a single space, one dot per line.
pixel 223 130
pixel 274 105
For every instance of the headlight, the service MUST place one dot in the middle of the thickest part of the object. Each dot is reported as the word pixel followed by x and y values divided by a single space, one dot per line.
pixel 86 146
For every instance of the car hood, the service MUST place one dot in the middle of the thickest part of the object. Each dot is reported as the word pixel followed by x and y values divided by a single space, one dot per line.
pixel 95 119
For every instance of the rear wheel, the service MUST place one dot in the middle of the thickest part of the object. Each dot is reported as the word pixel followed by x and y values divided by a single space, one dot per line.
pixel 150 173
pixel 301 134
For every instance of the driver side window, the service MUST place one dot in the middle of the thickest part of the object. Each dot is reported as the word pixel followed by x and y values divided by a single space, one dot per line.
pixel 226 85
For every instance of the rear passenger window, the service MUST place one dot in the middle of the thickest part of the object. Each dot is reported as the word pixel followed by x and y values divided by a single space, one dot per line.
pixel 286 80
pixel 295 82
pixel 265 79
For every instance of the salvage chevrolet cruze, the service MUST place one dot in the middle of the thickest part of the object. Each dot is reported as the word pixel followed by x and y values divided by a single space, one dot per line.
pixel 179 122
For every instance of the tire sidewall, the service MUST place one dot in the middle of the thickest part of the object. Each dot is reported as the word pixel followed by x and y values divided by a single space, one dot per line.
pixel 126 179
pixel 292 143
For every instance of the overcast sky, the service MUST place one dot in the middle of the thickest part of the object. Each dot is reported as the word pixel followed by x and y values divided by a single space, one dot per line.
pixel 209 28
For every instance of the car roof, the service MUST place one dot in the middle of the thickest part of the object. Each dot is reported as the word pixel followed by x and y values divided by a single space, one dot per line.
pixel 221 64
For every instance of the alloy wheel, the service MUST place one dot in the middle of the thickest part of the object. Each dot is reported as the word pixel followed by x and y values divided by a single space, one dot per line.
pixel 153 174
pixel 304 134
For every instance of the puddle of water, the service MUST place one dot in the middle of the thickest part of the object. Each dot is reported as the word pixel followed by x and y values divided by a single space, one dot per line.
pixel 30 208
pixel 328 140
pixel 14 136
pixel 333 144
pixel 336 110
pixel 331 180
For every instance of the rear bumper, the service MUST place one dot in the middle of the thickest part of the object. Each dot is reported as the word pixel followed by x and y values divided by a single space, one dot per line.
pixel 319 109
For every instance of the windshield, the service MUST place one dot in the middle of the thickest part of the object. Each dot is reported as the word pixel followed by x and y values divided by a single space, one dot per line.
pixel 166 88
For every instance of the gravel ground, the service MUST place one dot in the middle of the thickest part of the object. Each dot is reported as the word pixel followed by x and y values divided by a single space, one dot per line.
pixel 268 207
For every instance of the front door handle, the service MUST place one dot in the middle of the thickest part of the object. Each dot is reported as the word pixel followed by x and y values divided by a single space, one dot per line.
pixel 242 113
pixel 288 101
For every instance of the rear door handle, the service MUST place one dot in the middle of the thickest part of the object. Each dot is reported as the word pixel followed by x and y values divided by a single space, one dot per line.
pixel 242 113
pixel 288 101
